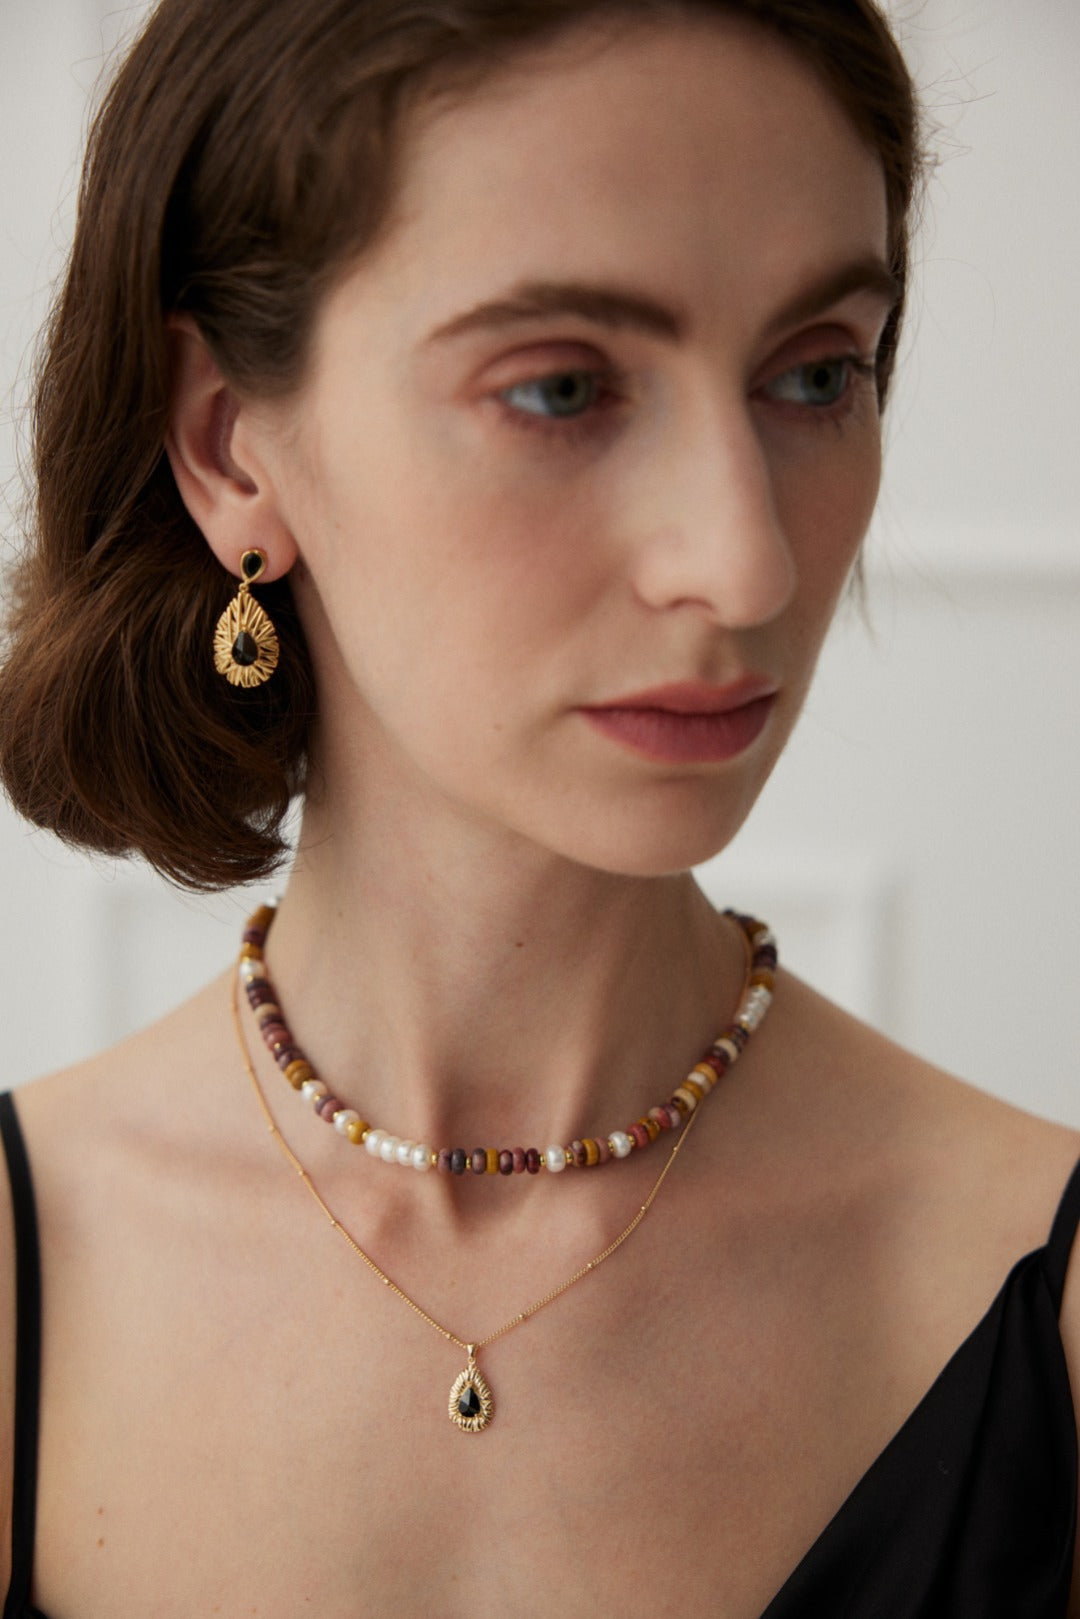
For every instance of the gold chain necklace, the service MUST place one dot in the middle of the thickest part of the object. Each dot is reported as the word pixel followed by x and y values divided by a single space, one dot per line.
pixel 471 1404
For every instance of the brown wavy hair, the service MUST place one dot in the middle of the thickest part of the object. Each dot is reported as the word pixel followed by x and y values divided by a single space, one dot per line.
pixel 242 158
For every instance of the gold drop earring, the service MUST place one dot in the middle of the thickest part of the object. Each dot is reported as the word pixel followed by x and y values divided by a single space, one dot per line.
pixel 246 647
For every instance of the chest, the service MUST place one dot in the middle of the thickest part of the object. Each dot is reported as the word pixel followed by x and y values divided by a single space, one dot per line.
pixel 217 1440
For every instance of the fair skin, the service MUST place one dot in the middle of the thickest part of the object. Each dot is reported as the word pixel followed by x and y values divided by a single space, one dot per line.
pixel 237 1418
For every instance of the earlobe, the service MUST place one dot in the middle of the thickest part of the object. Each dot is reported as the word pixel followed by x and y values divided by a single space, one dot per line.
pixel 232 505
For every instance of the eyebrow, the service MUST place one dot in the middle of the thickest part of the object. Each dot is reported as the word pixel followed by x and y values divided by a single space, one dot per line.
pixel 617 308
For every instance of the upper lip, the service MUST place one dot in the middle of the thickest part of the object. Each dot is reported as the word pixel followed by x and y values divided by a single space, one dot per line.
pixel 696 696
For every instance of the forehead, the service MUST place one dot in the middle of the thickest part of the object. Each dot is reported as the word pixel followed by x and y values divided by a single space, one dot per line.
pixel 695 154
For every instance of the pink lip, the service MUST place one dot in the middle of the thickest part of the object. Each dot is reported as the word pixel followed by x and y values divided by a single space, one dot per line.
pixel 688 722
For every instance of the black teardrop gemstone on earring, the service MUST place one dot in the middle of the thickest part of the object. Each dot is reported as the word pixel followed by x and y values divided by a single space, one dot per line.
pixel 252 565
pixel 244 650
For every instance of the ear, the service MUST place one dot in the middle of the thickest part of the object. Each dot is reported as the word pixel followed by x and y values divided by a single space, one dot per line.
pixel 233 504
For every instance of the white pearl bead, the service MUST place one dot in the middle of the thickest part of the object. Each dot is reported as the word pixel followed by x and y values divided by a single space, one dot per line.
pixel 620 1143
pixel 313 1091
pixel 343 1118
pixel 373 1141
pixel 421 1157
pixel 556 1158
pixel 754 1007
pixel 251 969
pixel 388 1149
pixel 403 1152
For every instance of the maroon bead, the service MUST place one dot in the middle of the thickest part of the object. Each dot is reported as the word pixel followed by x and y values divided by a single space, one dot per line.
pixel 442 1163
pixel 478 1160
pixel 638 1135
pixel 288 1054
pixel 674 1115
pixel 506 1162
pixel 718 1068
pixel 254 936
pixel 259 994
pixel 578 1154
pixel 329 1106
pixel 274 1030
pixel 603 1149
pixel 519 1160
pixel 532 1161
pixel 765 956
pixel 718 1059
pixel 457 1161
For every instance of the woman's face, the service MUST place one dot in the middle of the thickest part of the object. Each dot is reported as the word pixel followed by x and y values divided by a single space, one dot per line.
pixel 597 418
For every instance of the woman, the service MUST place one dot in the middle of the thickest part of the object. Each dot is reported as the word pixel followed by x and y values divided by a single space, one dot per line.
pixel 528 362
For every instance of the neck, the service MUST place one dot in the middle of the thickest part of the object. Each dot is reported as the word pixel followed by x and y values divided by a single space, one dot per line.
pixel 489 993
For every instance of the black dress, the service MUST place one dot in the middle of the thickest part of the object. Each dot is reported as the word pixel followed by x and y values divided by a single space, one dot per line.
pixel 968 1513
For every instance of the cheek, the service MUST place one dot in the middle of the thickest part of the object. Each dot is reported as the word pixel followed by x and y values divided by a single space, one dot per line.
pixel 825 504
pixel 438 580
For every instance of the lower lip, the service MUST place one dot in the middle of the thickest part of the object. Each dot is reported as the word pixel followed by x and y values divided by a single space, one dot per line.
pixel 668 738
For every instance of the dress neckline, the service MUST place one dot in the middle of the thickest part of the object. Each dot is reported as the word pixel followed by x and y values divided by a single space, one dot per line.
pixel 820 1549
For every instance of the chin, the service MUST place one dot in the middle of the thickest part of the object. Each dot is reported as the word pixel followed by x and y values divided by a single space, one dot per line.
pixel 652 839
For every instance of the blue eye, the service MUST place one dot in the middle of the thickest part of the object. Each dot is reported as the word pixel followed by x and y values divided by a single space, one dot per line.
pixel 820 383
pixel 562 396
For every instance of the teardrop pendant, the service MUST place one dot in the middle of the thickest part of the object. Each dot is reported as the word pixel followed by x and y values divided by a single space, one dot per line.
pixel 471 1404
pixel 246 648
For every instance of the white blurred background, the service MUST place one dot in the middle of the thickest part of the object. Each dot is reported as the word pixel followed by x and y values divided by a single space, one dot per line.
pixel 918 849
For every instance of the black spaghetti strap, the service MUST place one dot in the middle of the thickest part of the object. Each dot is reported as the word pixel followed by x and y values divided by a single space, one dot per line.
pixel 27 1360
pixel 1059 1245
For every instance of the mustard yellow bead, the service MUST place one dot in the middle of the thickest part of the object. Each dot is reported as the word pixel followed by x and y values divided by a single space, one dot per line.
pixel 251 952
pixel 592 1152
pixel 684 1099
pixel 492 1160
pixel 356 1130
pixel 694 1086
pixel 262 917
pixel 763 976
pixel 297 1072
pixel 651 1126
pixel 704 1076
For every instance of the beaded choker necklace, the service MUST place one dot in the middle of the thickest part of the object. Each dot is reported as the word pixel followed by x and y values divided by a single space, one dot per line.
pixel 471 1405
pixel 585 1153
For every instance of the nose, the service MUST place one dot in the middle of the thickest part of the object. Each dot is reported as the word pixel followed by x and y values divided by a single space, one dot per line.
pixel 712 536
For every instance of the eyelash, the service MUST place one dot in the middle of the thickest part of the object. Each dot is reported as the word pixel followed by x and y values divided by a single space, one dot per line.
pixel 614 391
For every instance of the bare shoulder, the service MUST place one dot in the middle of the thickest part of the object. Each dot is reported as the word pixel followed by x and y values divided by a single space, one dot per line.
pixel 160 1093
pixel 107 1138
pixel 121 1140
pixel 953 1172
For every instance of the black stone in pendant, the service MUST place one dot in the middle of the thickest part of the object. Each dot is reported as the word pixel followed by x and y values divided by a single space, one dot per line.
pixel 252 565
pixel 244 650
pixel 469 1402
